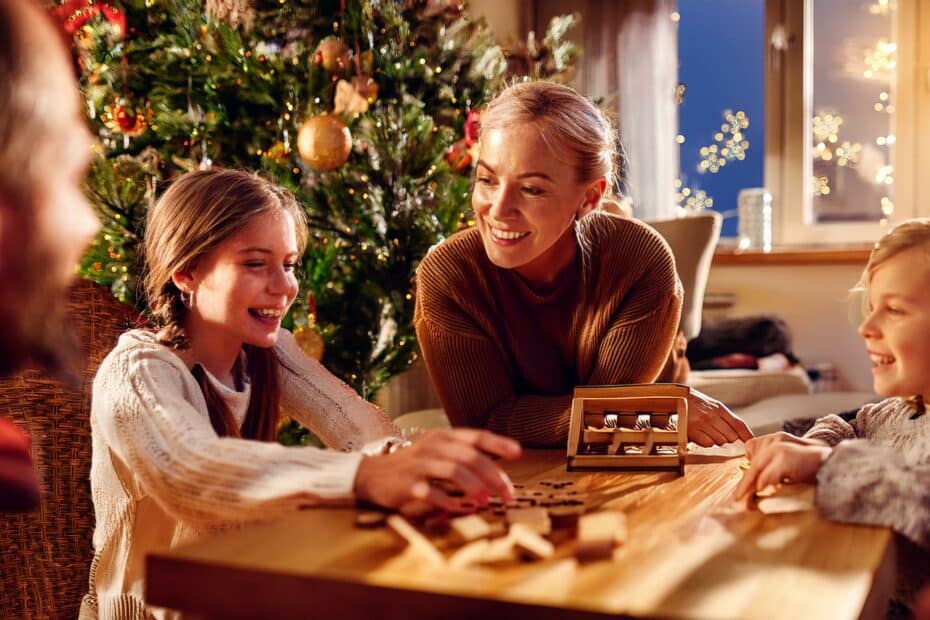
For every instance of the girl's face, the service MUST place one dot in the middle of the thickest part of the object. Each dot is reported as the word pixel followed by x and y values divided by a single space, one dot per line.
pixel 526 201
pixel 242 289
pixel 897 329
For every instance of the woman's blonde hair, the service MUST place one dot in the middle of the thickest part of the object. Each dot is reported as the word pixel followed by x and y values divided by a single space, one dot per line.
pixel 565 121
pixel 198 212
pixel 913 233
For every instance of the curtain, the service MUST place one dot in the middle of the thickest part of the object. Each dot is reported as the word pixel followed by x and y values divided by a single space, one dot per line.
pixel 630 62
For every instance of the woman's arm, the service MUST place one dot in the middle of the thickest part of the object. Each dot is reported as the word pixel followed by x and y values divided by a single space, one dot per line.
pixel 476 387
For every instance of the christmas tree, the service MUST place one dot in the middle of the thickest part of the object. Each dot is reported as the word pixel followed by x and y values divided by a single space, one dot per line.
pixel 365 110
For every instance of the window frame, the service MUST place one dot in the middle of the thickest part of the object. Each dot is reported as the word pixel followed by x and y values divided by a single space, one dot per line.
pixel 788 101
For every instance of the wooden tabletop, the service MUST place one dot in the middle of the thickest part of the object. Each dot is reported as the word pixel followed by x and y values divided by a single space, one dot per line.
pixel 690 554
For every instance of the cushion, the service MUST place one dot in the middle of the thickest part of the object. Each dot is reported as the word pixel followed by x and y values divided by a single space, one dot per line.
pixel 741 387
pixel 692 239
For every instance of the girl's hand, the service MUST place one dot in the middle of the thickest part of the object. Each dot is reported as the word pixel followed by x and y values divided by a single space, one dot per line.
pixel 711 423
pixel 780 460
pixel 458 456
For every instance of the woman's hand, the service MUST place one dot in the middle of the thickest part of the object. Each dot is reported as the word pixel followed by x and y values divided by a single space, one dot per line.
pixel 460 457
pixel 781 458
pixel 711 423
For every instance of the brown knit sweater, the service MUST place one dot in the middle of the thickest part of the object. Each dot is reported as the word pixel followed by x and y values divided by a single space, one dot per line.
pixel 506 358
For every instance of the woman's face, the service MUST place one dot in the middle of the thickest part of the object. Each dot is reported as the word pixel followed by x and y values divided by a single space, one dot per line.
pixel 244 286
pixel 526 200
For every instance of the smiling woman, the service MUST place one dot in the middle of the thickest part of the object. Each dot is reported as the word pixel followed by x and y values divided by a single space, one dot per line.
pixel 549 291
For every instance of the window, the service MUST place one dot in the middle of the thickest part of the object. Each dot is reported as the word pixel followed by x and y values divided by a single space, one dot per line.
pixel 843 165
pixel 843 134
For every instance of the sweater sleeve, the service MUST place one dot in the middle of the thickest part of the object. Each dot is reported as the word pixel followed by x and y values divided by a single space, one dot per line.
pixel 331 409
pixel 832 429
pixel 475 387
pixel 869 484
pixel 150 415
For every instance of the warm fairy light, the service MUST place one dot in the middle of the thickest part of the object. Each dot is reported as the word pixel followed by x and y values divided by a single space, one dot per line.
pixel 887 206
pixel 880 60
pixel 730 143
pixel 676 16
pixel 885 175
pixel 882 7
pixel 820 185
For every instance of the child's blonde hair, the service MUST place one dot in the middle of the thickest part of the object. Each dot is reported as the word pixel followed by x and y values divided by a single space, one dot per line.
pixel 913 233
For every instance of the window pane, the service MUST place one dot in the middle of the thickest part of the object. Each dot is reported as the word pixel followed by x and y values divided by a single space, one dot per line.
pixel 855 52
pixel 721 124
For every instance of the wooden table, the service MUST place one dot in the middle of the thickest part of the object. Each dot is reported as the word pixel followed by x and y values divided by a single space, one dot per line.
pixel 690 554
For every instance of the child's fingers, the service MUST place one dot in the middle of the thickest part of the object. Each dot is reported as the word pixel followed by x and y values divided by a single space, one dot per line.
pixel 746 484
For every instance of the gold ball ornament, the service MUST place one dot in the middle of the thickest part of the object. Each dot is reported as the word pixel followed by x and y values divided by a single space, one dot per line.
pixel 310 342
pixel 324 142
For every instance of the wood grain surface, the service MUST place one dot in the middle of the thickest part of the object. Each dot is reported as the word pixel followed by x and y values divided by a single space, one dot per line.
pixel 690 553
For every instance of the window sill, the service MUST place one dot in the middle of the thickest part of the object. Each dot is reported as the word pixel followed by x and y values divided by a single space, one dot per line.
pixel 728 255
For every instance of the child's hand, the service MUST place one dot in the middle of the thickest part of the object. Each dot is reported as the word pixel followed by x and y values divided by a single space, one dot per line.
pixel 758 444
pixel 780 458
pixel 459 456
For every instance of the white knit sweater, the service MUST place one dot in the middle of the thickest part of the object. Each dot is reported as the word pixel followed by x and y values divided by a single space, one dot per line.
pixel 161 476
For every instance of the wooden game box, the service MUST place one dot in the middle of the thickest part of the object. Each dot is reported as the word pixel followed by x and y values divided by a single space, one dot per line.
pixel 636 427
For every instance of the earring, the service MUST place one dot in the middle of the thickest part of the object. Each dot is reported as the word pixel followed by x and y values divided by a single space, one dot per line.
pixel 187 298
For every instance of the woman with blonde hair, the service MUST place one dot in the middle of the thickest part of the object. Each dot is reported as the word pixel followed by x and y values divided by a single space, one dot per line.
pixel 184 418
pixel 549 290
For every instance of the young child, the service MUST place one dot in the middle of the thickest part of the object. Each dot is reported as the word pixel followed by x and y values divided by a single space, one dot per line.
pixel 875 469
pixel 184 419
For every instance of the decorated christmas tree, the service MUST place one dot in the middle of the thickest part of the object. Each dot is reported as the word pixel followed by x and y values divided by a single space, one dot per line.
pixel 367 111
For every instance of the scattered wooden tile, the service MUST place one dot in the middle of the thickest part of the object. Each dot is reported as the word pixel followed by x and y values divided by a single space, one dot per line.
pixel 416 542
pixel 565 516
pixel 469 554
pixel 529 542
pixel 467 529
pixel 604 525
pixel 594 550
pixel 536 518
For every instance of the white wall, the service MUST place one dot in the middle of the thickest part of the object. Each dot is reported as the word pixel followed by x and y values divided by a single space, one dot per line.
pixel 812 299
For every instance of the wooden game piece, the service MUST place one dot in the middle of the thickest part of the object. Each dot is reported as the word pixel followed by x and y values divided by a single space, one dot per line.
pixel 594 550
pixel 528 541
pixel 537 519
pixel 604 525
pixel 467 529
pixel 416 542
pixel 565 516
pixel 472 553
pixel 370 519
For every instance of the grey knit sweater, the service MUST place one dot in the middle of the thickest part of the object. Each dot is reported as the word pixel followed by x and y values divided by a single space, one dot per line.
pixel 879 474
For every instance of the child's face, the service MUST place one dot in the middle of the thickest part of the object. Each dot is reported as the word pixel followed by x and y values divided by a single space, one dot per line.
pixel 897 329
pixel 243 288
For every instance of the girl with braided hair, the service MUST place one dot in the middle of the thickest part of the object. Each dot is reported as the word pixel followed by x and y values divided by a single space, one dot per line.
pixel 184 419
